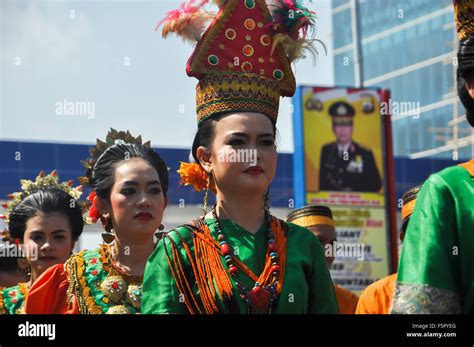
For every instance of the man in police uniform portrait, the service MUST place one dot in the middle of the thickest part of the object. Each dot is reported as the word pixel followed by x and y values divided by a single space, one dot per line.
pixel 345 165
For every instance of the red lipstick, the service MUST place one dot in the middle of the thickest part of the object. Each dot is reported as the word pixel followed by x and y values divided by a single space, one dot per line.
pixel 145 216
pixel 47 258
pixel 254 170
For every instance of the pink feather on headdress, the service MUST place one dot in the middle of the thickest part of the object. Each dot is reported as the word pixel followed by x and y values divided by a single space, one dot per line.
pixel 189 21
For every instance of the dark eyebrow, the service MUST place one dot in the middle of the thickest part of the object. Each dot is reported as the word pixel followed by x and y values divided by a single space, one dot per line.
pixel 265 135
pixel 238 134
pixel 37 232
pixel 135 183
pixel 246 136
pixel 59 231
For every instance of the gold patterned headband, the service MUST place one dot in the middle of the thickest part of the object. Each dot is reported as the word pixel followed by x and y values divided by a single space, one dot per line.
pixel 308 221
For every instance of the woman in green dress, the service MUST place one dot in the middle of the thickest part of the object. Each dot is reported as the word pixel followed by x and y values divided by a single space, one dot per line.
pixel 238 258
pixel 436 273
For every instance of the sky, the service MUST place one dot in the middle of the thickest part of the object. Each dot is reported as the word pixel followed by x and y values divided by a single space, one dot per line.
pixel 106 57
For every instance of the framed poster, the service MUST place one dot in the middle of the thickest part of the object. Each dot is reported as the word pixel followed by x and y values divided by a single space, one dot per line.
pixel 343 159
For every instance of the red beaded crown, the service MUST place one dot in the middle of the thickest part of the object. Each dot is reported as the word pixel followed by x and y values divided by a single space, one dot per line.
pixel 243 58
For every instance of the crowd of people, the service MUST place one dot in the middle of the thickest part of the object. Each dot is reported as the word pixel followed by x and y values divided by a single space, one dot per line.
pixel 236 258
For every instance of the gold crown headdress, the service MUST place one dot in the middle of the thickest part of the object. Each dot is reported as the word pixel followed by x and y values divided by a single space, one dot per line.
pixel 41 182
pixel 113 137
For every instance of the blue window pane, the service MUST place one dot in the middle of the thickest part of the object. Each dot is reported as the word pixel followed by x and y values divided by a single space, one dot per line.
pixel 336 3
pixel 344 69
pixel 342 30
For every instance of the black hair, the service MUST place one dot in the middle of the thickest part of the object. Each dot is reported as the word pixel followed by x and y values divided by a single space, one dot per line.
pixel 206 133
pixel 465 73
pixel 102 174
pixel 46 201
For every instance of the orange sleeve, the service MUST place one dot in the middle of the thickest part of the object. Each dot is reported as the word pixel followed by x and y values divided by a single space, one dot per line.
pixel 368 302
pixel 377 298
pixel 48 295
pixel 346 300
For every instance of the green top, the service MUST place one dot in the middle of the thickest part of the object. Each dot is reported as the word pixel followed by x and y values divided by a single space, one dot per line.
pixel 307 285
pixel 98 287
pixel 12 299
pixel 436 273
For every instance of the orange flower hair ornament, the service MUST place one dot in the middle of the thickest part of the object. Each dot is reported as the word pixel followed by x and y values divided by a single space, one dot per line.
pixel 193 174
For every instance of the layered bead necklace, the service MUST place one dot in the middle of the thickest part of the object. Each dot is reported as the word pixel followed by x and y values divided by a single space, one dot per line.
pixel 261 297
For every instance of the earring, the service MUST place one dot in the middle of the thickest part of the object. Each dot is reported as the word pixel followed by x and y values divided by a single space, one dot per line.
pixel 206 197
pixel 161 227
pixel 108 236
pixel 28 272
pixel 159 235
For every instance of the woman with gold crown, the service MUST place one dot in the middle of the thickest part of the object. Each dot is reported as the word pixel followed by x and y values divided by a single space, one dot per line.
pixel 44 221
pixel 436 267
pixel 238 258
pixel 130 183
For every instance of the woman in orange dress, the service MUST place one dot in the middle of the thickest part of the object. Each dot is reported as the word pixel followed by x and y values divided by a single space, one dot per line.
pixel 44 221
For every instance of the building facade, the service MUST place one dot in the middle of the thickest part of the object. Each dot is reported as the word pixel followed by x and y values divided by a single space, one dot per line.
pixel 408 47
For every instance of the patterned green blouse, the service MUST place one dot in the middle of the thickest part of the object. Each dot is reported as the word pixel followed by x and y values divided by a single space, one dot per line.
pixel 436 273
pixel 307 285
pixel 12 299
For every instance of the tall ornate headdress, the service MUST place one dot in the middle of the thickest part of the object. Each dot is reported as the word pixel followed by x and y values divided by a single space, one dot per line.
pixel 242 60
